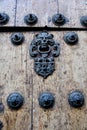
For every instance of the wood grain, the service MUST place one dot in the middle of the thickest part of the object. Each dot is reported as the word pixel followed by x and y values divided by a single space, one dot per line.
pixel 9 7
pixel 17 75
pixel 43 9
pixel 73 10
pixel 70 75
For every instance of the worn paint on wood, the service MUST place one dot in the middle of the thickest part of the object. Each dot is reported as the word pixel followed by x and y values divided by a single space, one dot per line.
pixel 17 74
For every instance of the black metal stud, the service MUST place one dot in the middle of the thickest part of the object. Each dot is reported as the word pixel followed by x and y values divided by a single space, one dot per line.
pixel 30 19
pixel 83 21
pixel 15 101
pixel 59 19
pixel 1 125
pixel 46 100
pixel 17 38
pixel 71 38
pixel 76 99
pixel 4 18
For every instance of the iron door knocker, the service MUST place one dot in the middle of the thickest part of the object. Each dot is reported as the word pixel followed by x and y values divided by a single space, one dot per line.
pixel 43 49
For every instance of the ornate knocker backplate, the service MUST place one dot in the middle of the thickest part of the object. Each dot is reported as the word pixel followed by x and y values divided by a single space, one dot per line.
pixel 43 49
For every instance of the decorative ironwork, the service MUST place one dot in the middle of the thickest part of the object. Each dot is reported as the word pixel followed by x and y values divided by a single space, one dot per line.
pixel 43 49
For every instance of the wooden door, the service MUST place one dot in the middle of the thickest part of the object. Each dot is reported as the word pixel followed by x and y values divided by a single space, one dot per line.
pixel 17 72
pixel 44 10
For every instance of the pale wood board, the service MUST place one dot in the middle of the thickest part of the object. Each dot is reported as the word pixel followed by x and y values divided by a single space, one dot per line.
pixel 70 74
pixel 15 76
pixel 8 7
pixel 73 11
pixel 43 9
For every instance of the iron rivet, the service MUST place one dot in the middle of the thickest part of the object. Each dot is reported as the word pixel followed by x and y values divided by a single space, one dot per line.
pixel 76 99
pixel 30 19
pixel 15 101
pixel 4 18
pixel 1 125
pixel 17 38
pixel 58 19
pixel 71 38
pixel 46 100
pixel 83 21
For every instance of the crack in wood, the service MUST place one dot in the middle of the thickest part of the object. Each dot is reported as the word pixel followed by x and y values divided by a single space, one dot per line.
pixel 57 6
pixel 15 12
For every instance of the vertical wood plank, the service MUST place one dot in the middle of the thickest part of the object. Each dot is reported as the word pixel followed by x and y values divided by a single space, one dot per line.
pixel 8 7
pixel 43 9
pixel 73 10
pixel 70 75
pixel 14 77
pixel 17 74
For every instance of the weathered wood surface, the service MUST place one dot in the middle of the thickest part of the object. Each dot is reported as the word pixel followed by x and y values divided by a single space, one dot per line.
pixel 44 10
pixel 73 10
pixel 9 7
pixel 17 74
pixel 70 75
